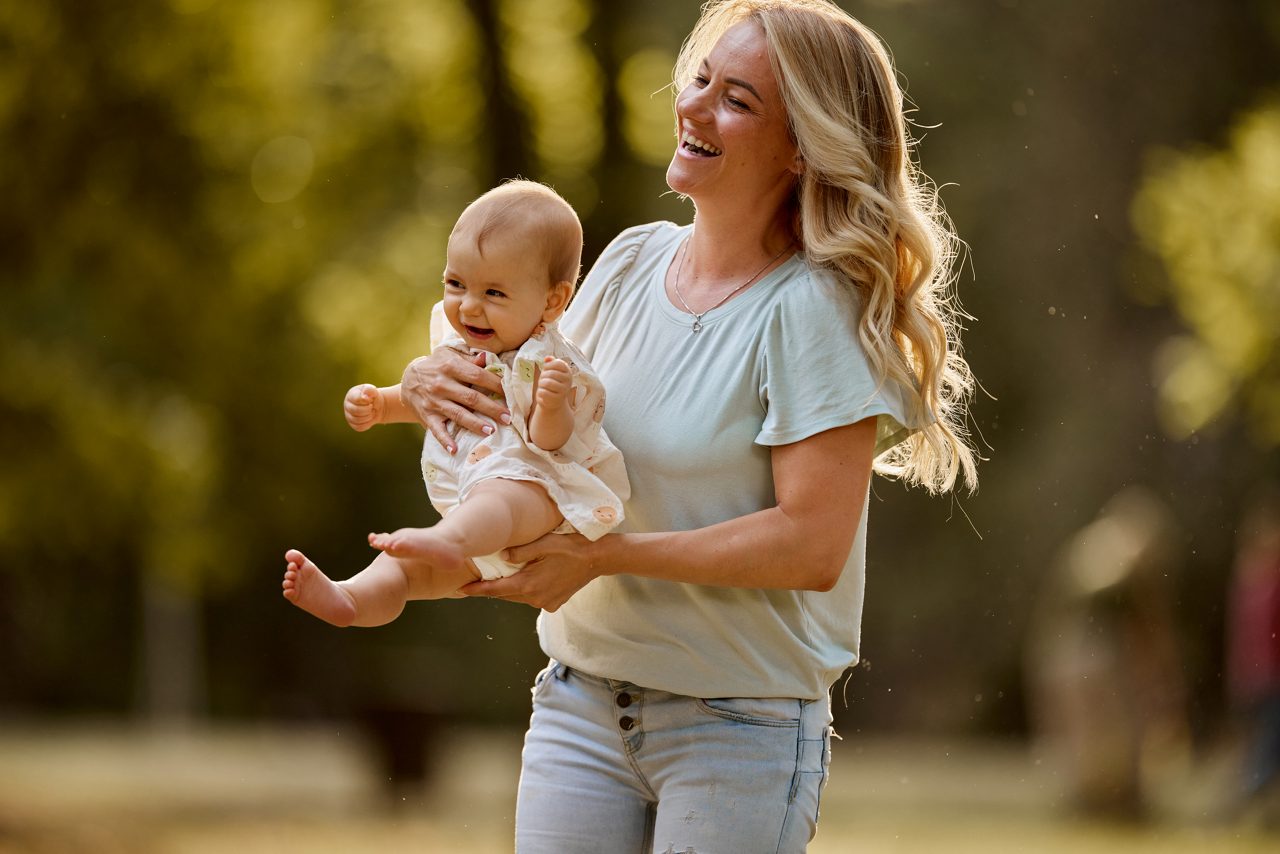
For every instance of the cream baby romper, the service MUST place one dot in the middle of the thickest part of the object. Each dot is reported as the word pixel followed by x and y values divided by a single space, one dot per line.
pixel 585 478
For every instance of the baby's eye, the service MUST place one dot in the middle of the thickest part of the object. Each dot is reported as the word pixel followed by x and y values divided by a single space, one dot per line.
pixel 494 292
pixel 452 284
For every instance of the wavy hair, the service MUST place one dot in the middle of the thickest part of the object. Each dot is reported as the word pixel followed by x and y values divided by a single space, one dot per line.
pixel 864 211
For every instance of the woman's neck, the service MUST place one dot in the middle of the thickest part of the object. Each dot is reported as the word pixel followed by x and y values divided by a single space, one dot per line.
pixel 724 247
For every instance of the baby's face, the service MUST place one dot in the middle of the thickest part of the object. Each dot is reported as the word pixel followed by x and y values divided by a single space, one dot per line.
pixel 496 300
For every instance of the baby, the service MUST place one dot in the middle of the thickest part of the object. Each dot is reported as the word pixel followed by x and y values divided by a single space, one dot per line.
pixel 512 265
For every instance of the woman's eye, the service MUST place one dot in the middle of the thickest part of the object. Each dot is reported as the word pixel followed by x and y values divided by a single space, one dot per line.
pixel 700 81
pixel 738 105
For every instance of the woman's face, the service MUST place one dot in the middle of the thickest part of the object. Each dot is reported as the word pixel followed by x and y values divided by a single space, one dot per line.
pixel 734 144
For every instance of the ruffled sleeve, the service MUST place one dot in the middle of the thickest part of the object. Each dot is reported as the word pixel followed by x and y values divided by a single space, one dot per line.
pixel 599 290
pixel 814 374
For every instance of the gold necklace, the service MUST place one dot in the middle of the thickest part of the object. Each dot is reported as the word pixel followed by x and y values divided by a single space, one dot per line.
pixel 697 315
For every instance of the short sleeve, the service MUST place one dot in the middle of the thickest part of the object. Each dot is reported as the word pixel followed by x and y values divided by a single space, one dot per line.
pixel 599 290
pixel 814 374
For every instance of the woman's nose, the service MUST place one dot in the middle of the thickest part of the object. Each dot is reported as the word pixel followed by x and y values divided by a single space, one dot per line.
pixel 694 102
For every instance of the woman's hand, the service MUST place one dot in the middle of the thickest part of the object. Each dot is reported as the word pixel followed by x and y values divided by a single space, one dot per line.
pixel 557 566
pixel 450 386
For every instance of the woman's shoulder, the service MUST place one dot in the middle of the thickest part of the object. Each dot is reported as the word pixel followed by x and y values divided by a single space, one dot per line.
pixel 810 290
pixel 631 242
pixel 620 257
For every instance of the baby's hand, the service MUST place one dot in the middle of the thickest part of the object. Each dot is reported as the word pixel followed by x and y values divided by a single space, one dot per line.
pixel 554 383
pixel 364 407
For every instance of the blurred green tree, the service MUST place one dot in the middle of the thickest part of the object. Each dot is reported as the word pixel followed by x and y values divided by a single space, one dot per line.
pixel 1213 217
pixel 219 216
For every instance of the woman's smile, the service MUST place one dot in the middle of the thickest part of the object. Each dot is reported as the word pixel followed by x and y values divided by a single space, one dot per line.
pixel 731 112
pixel 699 147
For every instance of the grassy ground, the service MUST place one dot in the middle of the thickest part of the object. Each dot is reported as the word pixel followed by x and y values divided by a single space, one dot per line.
pixel 115 789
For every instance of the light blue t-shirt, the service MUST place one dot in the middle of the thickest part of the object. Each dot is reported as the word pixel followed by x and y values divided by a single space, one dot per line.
pixel 695 417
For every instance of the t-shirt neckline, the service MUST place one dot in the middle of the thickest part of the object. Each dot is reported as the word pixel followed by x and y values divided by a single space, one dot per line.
pixel 749 296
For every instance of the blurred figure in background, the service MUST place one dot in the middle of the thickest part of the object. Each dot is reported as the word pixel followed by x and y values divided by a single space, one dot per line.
pixel 1106 691
pixel 1253 652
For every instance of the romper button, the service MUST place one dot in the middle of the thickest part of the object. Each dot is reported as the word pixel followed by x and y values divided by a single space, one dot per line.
pixel 624 699
pixel 626 722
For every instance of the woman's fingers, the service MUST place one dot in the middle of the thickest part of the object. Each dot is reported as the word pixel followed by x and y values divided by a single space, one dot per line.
pixel 436 427
pixel 440 384
pixel 468 384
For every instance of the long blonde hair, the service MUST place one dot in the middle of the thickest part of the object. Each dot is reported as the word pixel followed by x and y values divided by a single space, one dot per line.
pixel 864 211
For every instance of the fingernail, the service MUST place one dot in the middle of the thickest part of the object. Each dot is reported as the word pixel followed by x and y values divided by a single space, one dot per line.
pixel 487 429
pixel 453 449
pixel 505 418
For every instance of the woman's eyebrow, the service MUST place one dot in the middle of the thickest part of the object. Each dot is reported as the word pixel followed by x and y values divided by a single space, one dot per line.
pixel 736 81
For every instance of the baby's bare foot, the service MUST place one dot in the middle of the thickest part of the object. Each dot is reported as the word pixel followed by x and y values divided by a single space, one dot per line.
pixel 436 567
pixel 314 592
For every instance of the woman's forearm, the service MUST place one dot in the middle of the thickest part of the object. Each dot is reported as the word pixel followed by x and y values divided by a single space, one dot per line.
pixel 761 550
pixel 801 543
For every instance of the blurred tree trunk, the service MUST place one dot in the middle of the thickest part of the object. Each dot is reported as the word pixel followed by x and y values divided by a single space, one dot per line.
pixel 506 126
pixel 172 687
pixel 614 169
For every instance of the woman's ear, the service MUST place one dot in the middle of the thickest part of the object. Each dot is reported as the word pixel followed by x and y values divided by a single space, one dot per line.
pixel 557 300
pixel 797 164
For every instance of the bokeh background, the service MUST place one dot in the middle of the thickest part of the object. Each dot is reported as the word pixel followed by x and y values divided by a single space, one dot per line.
pixel 217 215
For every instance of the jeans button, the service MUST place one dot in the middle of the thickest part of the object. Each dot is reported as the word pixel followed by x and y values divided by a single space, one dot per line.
pixel 623 699
pixel 626 722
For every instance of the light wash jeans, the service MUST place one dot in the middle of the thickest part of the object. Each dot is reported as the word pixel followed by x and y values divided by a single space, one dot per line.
pixel 614 768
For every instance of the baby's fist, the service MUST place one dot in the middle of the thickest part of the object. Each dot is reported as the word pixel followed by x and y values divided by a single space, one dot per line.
pixel 554 382
pixel 363 407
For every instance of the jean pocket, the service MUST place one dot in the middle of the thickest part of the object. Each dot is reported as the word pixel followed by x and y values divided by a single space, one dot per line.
pixel 758 711
pixel 545 675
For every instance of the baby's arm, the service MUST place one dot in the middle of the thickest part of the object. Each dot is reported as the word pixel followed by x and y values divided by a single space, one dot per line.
pixel 366 405
pixel 551 423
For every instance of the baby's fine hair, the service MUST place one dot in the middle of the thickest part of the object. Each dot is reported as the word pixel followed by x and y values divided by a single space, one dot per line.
pixel 526 209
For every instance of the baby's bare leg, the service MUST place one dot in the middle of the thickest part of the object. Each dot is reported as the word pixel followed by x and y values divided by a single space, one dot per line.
pixel 497 514
pixel 372 597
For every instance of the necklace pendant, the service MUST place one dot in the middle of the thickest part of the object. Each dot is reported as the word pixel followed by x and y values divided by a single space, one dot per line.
pixel 697 326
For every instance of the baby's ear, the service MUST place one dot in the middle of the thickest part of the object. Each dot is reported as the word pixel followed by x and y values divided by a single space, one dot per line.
pixel 557 300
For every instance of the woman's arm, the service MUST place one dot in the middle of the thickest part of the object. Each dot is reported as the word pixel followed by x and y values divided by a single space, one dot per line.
pixel 801 543
pixel 449 386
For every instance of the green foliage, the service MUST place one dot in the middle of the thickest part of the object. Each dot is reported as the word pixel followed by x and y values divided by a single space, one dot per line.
pixel 1213 216
pixel 218 217
pixel 220 214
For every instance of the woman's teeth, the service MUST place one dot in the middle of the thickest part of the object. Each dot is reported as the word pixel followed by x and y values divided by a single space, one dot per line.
pixel 700 146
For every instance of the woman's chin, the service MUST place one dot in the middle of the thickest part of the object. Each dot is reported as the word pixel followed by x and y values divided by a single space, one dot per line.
pixel 679 179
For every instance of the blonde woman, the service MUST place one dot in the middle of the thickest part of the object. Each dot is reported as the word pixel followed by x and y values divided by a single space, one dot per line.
pixel 759 364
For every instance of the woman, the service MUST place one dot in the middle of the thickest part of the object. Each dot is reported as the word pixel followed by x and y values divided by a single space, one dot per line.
pixel 757 362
